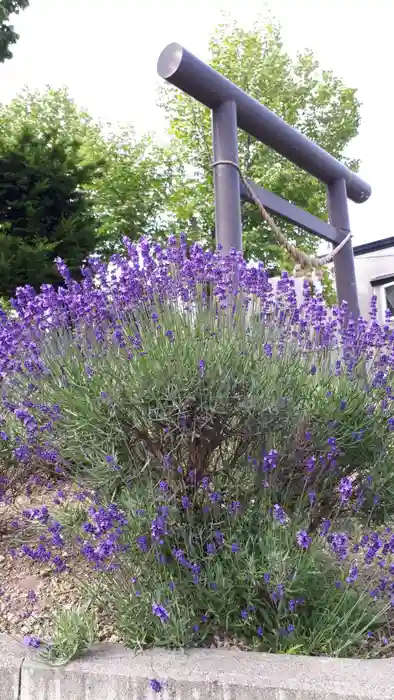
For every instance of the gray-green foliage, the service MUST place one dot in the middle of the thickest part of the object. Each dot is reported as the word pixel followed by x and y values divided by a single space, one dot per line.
pixel 234 593
pixel 208 420
pixel 258 393
pixel 74 632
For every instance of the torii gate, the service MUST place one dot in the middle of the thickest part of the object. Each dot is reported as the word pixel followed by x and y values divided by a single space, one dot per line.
pixel 232 108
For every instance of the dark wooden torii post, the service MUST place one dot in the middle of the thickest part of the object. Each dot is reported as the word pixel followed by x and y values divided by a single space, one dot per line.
pixel 232 108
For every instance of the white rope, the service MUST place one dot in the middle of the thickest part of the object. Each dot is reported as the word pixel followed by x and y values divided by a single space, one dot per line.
pixel 300 257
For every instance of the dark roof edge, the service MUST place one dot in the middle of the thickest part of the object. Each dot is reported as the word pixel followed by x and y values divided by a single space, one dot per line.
pixel 374 246
pixel 380 281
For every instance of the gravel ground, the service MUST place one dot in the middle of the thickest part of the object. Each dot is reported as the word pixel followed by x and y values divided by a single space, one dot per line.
pixel 31 591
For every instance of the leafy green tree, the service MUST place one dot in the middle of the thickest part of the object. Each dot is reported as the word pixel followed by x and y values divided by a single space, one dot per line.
pixel 120 182
pixel 313 100
pixel 8 36
pixel 129 194
pixel 43 211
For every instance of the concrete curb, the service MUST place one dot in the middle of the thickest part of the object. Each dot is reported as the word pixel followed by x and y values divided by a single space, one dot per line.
pixel 11 659
pixel 111 672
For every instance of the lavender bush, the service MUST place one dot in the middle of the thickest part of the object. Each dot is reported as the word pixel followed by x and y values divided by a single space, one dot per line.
pixel 239 449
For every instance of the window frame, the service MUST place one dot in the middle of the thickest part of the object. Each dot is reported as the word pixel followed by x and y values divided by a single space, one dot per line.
pixel 383 298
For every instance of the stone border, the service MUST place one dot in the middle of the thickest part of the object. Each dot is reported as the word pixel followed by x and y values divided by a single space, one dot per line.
pixel 111 672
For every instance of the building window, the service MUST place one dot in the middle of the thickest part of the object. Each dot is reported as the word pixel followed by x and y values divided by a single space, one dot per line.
pixel 387 298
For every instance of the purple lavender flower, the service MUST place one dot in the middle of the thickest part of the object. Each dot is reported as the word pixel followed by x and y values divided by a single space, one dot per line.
pixel 310 463
pixel 32 642
pixel 325 526
pixel 179 556
pixel 303 539
pixel 59 564
pixel 201 366
pixel 278 593
pixel 142 543
pixel 353 574
pixel 312 497
pixel 215 497
pixel 167 461
pixel 234 507
pixel 156 685
pixel 159 528
pixel 185 502
pixel 339 543
pixel 219 538
pixel 280 515
pixel 39 554
pixel 270 461
pixel 345 489
pixel 160 612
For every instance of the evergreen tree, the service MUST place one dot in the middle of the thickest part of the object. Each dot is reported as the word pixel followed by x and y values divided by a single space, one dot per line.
pixel 44 212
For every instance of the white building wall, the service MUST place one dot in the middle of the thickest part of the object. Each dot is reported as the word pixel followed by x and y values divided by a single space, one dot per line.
pixel 369 267
pixel 299 286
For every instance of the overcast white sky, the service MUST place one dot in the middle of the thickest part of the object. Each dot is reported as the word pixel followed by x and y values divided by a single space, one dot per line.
pixel 106 51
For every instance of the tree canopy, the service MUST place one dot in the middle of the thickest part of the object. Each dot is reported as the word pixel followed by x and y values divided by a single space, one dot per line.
pixel 129 194
pixel 307 97
pixel 71 186
pixel 8 35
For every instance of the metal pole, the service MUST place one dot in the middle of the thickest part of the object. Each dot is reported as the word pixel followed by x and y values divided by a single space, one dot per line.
pixel 345 275
pixel 228 223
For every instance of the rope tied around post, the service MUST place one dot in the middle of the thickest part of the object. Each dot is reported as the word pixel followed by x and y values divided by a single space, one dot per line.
pixel 299 256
